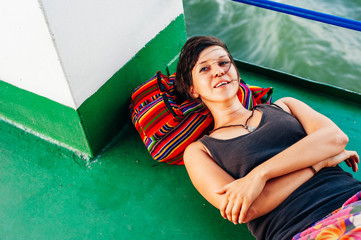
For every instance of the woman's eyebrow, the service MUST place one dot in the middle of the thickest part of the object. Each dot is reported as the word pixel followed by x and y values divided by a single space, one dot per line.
pixel 212 59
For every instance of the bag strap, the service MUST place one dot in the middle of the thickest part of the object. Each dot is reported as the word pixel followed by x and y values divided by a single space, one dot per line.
pixel 164 95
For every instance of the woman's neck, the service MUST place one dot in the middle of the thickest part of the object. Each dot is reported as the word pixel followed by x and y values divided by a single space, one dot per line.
pixel 226 113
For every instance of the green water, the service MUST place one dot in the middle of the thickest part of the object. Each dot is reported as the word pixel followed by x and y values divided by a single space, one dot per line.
pixel 306 48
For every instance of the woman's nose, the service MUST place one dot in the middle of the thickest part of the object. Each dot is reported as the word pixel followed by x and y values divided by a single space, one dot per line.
pixel 218 71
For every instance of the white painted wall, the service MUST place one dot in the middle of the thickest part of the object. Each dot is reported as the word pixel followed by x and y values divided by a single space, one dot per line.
pixel 28 58
pixel 93 40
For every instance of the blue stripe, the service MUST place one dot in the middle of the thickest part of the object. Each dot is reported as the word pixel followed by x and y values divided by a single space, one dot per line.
pixel 305 13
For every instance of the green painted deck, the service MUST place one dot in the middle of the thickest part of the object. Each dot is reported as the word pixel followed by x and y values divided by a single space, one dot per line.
pixel 47 192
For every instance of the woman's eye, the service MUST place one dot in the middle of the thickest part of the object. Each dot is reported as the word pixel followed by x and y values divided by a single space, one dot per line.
pixel 223 63
pixel 203 69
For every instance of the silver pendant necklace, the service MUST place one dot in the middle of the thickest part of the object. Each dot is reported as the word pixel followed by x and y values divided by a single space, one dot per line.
pixel 245 126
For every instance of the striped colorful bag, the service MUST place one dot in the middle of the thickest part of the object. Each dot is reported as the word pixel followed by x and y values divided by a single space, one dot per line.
pixel 166 126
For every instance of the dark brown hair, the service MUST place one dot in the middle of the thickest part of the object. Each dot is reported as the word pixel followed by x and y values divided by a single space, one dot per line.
pixel 188 58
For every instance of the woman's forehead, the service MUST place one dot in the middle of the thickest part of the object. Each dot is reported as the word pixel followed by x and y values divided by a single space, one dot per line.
pixel 212 52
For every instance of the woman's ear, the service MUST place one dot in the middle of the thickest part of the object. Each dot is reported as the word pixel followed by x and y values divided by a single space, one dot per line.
pixel 193 92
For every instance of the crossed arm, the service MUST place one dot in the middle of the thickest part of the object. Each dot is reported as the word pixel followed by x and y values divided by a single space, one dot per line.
pixel 247 198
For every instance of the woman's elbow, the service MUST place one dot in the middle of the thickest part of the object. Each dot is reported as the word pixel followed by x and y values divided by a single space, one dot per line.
pixel 341 139
pixel 334 140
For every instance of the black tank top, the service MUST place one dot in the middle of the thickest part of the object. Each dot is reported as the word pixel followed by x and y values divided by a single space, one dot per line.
pixel 316 198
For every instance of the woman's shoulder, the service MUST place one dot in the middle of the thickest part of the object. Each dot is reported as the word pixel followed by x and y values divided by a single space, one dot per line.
pixel 273 106
pixel 194 146
pixel 282 104
pixel 194 149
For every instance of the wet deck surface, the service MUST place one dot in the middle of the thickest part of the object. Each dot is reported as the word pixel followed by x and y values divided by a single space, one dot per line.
pixel 47 192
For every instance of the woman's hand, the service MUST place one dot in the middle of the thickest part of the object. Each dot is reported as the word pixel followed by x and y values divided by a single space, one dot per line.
pixel 239 196
pixel 351 158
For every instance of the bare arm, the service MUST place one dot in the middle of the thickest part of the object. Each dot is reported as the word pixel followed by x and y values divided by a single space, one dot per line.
pixel 324 140
pixel 207 177
pixel 276 191
pixel 286 184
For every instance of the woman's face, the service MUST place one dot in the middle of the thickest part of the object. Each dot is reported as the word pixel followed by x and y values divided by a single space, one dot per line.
pixel 214 76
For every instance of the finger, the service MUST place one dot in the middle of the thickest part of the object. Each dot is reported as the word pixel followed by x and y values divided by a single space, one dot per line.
pixel 357 157
pixel 354 155
pixel 222 189
pixel 222 208
pixel 247 217
pixel 229 211
pixel 354 165
pixel 244 210
pixel 236 210
pixel 347 161
pixel 352 160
